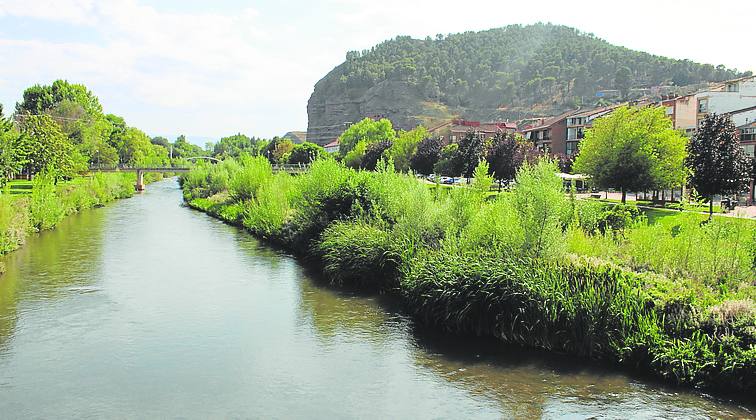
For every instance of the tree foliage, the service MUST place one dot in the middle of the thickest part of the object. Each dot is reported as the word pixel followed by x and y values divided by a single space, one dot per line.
pixel 517 65
pixel 373 153
pixel 716 161
pixel 42 98
pixel 427 154
pixel 368 131
pixel 633 149
pixel 405 146
pixel 306 153
pixel 506 154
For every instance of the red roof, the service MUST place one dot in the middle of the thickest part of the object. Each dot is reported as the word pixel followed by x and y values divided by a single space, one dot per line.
pixel 333 143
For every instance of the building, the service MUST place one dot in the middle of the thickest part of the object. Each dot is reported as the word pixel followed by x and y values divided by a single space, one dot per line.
pixel 297 137
pixel 682 110
pixel 743 116
pixel 577 123
pixel 332 147
pixel 452 131
pixel 551 134
pixel 747 134
pixel 726 97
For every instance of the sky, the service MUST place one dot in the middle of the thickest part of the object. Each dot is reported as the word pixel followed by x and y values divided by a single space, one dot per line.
pixel 211 69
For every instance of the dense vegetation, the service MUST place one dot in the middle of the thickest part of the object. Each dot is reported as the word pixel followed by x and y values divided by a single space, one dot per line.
pixel 514 65
pixel 48 202
pixel 531 266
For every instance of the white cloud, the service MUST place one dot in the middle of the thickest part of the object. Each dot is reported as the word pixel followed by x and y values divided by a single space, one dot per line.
pixel 252 69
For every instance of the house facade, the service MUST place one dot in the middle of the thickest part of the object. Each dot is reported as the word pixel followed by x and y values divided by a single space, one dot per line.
pixel 729 96
pixel 683 111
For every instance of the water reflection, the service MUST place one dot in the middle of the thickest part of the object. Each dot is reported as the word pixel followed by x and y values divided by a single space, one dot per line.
pixel 148 309
pixel 52 264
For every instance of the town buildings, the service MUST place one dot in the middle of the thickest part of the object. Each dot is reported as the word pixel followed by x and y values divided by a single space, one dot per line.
pixel 726 97
pixel 452 131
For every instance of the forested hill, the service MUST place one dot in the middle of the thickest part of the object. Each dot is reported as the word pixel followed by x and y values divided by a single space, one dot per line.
pixel 498 73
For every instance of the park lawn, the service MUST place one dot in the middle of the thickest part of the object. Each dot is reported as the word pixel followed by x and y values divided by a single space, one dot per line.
pixel 667 205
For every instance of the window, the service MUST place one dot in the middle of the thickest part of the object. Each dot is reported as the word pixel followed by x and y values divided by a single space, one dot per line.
pixel 749 149
pixel 670 110
pixel 575 133
pixel 732 87
pixel 703 105
pixel 572 148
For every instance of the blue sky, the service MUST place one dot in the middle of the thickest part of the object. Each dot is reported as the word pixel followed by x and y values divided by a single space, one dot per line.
pixel 208 69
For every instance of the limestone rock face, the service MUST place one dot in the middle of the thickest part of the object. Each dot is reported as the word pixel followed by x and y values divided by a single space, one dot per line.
pixel 331 109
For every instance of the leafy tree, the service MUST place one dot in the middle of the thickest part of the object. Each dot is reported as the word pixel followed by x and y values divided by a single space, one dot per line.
pixel 234 146
pixel 632 149
pixel 506 155
pixel 353 158
pixel 278 149
pixel 716 161
pixel 367 131
pixel 623 80
pixel 182 149
pixel 12 157
pixel 471 151
pixel 306 153
pixel 427 154
pixel 46 147
pixel 405 146
pixel 93 143
pixel 373 153
pixel 39 99
pixel 161 141
pixel 449 163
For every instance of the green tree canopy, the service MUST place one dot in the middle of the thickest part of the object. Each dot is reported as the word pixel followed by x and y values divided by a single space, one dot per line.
pixel 41 98
pixel 45 147
pixel 427 154
pixel 306 153
pixel 716 161
pixel 633 149
pixel 405 146
pixel 368 131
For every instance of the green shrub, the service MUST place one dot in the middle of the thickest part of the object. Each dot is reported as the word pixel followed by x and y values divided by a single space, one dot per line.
pixel 253 173
pixel 358 254
pixel 46 208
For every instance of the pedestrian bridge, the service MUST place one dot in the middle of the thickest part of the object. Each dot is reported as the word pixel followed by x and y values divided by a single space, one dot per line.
pixel 140 171
pixel 139 186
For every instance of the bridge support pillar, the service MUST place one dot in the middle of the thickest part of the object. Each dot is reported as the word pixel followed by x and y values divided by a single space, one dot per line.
pixel 139 186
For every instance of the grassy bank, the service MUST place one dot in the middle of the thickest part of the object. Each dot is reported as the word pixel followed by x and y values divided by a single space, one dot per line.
pixel 43 203
pixel 672 297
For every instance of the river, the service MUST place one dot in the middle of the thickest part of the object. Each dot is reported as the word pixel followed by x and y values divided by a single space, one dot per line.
pixel 147 309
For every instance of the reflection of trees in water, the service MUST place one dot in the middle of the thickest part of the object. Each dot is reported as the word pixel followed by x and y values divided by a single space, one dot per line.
pixel 529 383
pixel 332 312
pixel 50 265
pixel 525 383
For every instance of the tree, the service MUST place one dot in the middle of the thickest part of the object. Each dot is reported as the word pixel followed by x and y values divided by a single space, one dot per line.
pixel 506 155
pixel 306 153
pixel 448 164
pixel 471 152
pixel 368 131
pixel 277 151
pixel 12 157
pixel 623 80
pixel 39 99
pixel 373 153
pixel 716 161
pixel 427 154
pixel 182 149
pixel 405 146
pixel 632 149
pixel 93 143
pixel 46 147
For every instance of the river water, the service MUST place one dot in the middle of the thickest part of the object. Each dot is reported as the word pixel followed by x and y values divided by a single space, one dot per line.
pixel 147 309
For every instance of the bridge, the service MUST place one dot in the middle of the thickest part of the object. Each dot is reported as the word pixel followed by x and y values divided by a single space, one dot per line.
pixel 139 186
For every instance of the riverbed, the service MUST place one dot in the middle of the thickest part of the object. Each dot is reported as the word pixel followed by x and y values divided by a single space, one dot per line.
pixel 147 309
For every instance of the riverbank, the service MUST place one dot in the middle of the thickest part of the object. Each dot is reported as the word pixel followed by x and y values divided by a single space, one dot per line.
pixel 44 203
pixel 510 267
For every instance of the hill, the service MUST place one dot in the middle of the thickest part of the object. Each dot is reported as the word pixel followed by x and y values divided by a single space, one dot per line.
pixel 508 72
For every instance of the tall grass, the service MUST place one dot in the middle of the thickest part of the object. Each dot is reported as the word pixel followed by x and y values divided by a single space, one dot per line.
pixel 530 267
pixel 49 202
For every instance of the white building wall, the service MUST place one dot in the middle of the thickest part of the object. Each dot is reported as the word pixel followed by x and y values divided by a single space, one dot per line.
pixel 724 101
